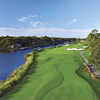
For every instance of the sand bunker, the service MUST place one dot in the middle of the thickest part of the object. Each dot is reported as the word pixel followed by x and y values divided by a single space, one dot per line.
pixel 74 49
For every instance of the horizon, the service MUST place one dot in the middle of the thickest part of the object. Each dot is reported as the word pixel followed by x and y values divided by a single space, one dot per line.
pixel 53 18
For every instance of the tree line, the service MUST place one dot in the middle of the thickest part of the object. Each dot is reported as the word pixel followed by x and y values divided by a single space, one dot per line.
pixel 32 41
pixel 93 41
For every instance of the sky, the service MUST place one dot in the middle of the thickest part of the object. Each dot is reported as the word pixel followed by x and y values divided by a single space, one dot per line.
pixel 55 18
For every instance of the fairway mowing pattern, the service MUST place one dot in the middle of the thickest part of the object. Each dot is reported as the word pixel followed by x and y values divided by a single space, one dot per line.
pixel 56 82
pixel 73 87
pixel 55 78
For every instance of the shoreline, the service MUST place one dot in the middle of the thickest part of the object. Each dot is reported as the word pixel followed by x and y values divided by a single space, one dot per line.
pixel 17 74
pixel 9 50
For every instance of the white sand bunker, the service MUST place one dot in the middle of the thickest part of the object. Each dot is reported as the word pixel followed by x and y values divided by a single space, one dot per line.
pixel 66 45
pixel 74 49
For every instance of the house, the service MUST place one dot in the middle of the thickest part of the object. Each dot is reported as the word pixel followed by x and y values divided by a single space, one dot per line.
pixel 18 45
pixel 12 46
pixel 92 68
pixel 33 42
pixel 82 40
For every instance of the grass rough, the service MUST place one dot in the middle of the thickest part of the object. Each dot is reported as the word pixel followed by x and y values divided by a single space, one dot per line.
pixel 54 78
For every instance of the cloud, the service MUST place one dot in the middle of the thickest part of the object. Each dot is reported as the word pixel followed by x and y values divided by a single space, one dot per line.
pixel 42 31
pixel 22 19
pixel 32 20
pixel 35 24
pixel 38 28
pixel 28 18
pixel 34 16
pixel 74 20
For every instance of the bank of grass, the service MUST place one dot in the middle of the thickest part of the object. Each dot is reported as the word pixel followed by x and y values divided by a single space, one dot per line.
pixel 17 75
pixel 95 84
pixel 76 45
pixel 8 50
pixel 54 78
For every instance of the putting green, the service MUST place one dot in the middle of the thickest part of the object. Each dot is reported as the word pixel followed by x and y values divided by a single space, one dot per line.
pixel 54 78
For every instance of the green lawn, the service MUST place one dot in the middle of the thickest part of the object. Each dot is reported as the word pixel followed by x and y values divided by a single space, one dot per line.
pixel 54 78
pixel 76 45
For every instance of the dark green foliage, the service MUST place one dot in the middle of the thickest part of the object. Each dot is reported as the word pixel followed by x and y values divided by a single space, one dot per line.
pixel 4 43
pixel 94 47
pixel 29 42
pixel 95 53
pixel 95 84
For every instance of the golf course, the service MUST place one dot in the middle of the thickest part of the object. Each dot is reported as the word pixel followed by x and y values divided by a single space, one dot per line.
pixel 54 77
pixel 49 49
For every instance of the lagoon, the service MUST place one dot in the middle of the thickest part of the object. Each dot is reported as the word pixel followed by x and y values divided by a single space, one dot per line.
pixel 10 61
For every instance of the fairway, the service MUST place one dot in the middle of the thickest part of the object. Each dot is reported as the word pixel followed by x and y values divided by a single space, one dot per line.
pixel 54 78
